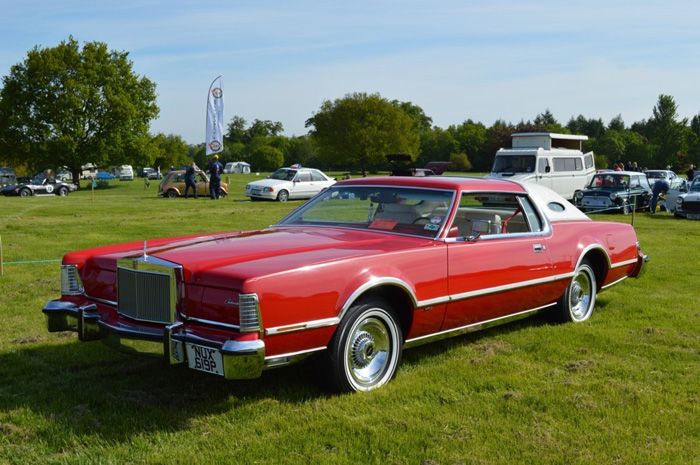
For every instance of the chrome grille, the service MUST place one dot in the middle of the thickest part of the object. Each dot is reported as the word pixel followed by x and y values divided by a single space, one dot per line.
pixel 691 206
pixel 144 295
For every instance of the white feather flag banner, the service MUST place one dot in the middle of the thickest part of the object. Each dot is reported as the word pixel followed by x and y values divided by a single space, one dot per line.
pixel 215 117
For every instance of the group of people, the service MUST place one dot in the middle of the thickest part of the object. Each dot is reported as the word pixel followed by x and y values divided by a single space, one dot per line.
pixel 215 169
pixel 630 166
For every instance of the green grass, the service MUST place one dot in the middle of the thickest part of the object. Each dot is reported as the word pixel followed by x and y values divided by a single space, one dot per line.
pixel 623 387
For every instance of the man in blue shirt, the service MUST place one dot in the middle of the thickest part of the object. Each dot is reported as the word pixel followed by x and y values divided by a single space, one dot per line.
pixel 215 170
pixel 661 186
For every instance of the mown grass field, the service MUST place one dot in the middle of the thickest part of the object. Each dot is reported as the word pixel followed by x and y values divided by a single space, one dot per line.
pixel 623 387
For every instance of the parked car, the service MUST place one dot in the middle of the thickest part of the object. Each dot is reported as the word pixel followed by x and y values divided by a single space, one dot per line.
pixel 687 204
pixel 150 173
pixel 105 175
pixel 289 183
pixel 40 185
pixel 368 267
pixel 615 191
pixel 402 165
pixel 8 177
pixel 673 180
pixel 174 185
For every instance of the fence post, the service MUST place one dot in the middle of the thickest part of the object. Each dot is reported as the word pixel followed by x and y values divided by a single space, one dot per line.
pixel 634 209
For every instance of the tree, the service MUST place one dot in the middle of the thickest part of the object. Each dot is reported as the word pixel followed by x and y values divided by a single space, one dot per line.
pixel 437 144
pixel 472 137
pixel 421 121
pixel 667 133
pixel 67 106
pixel 236 130
pixel 617 124
pixel 171 151
pixel 261 128
pixel 266 158
pixel 362 129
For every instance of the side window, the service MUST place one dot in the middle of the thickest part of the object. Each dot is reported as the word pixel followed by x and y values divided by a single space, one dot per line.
pixel 317 176
pixel 568 164
pixel 200 177
pixel 303 176
pixel 490 213
pixel 179 177
pixel 636 182
pixel 589 161
pixel 543 164
pixel 533 219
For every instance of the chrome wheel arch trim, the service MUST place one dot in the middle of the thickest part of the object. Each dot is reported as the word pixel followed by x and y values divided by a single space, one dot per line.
pixel 589 248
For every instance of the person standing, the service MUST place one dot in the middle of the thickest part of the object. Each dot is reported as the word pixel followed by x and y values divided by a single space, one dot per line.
pixel 661 186
pixel 690 173
pixel 215 169
pixel 190 175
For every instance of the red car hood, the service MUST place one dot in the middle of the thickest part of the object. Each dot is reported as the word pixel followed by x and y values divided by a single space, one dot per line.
pixel 227 260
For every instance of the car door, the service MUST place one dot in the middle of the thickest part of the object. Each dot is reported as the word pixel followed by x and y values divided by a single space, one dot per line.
pixel 500 265
pixel 202 184
pixel 302 186
pixel 46 187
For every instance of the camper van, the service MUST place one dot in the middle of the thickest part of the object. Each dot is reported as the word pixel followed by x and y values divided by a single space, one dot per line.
pixel 126 173
pixel 553 160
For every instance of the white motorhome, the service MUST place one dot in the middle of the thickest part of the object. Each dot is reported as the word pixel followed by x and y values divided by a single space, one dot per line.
pixel 126 173
pixel 553 160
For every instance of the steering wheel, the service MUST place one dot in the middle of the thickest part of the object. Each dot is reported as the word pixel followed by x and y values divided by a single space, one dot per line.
pixel 421 218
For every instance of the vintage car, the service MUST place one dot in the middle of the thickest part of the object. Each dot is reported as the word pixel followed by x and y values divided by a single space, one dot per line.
pixel 615 191
pixel 673 180
pixel 40 185
pixel 368 267
pixel 173 185
pixel 686 204
pixel 289 183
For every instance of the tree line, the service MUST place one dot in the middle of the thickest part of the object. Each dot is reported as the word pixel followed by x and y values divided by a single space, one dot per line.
pixel 68 105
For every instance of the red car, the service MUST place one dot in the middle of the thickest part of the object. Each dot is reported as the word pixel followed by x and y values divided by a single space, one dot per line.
pixel 365 269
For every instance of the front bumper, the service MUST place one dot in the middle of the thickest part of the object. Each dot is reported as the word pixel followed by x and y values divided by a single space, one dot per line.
pixel 261 194
pixel 241 359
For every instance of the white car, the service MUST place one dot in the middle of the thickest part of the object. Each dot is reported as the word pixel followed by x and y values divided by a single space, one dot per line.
pixel 289 183
pixel 673 180
pixel 685 203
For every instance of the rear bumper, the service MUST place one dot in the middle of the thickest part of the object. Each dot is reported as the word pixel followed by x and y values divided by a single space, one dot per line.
pixel 641 266
pixel 242 359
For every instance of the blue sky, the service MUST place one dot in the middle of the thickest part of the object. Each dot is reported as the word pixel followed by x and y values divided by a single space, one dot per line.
pixel 456 59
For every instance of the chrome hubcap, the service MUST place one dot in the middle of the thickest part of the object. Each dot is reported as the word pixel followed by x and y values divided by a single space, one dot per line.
pixel 580 296
pixel 369 351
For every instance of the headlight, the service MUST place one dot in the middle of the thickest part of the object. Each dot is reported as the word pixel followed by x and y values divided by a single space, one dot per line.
pixel 579 195
pixel 613 195
pixel 70 280
pixel 679 201
pixel 268 189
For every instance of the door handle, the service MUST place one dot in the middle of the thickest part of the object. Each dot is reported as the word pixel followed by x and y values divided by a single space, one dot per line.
pixel 539 247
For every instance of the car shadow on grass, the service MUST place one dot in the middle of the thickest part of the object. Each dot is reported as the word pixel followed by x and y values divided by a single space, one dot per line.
pixel 89 389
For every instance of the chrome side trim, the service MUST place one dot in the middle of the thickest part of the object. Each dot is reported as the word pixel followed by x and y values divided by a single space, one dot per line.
pixel 292 357
pixel 510 287
pixel 472 327
pixel 302 326
pixel 612 284
pixel 214 323
pixel 626 262
pixel 313 324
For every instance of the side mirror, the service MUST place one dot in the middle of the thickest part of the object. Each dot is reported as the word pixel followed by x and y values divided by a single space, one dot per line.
pixel 547 169
pixel 453 232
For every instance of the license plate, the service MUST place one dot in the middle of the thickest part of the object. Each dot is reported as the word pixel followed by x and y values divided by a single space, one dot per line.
pixel 597 202
pixel 693 216
pixel 205 359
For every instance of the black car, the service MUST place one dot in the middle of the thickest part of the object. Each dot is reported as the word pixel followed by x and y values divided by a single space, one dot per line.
pixel 150 173
pixel 615 191
pixel 40 185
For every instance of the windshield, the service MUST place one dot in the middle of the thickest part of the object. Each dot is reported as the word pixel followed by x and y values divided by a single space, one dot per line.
pixel 609 180
pixel 514 164
pixel 695 186
pixel 283 174
pixel 416 212
pixel 657 175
